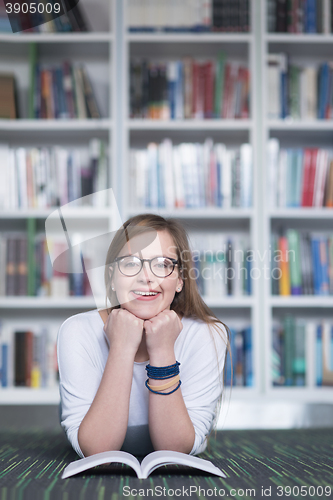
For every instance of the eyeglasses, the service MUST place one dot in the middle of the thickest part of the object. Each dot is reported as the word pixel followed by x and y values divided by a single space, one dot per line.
pixel 131 265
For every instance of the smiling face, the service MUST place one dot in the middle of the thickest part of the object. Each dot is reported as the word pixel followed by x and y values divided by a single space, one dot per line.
pixel 130 290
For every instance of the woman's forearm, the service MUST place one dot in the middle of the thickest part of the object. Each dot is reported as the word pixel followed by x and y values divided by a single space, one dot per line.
pixel 105 424
pixel 170 426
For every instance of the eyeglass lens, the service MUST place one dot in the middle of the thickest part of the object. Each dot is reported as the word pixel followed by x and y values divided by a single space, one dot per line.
pixel 160 266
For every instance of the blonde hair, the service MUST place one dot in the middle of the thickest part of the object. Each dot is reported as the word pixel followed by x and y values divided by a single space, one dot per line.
pixel 188 302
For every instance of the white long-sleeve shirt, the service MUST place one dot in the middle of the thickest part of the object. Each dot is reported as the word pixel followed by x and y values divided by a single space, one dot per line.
pixel 82 354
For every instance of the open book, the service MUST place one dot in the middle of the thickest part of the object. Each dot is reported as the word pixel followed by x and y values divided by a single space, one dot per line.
pixel 149 463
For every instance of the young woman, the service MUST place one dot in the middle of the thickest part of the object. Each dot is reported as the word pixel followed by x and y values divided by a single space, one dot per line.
pixel 147 373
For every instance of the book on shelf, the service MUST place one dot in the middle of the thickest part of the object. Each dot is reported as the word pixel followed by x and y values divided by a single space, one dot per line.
pixel 60 91
pixel 191 16
pixel 45 177
pixel 222 264
pixel 191 175
pixel 299 177
pixel 28 356
pixel 298 91
pixel 143 469
pixel 294 16
pixel 8 97
pixel 43 21
pixel 189 89
pixel 302 263
pixel 239 373
pixel 302 352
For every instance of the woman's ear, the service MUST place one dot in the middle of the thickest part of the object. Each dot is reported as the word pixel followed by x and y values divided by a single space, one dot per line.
pixel 179 285
pixel 110 271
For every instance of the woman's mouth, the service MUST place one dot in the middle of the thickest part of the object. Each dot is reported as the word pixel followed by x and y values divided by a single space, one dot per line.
pixel 145 295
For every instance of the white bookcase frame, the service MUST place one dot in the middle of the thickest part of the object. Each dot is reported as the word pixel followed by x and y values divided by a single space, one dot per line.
pixel 119 130
pixel 297 45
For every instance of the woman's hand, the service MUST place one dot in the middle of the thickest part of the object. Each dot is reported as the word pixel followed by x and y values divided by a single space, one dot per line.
pixel 124 330
pixel 161 333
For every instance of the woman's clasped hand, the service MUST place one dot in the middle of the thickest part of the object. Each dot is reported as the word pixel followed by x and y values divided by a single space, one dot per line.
pixel 125 330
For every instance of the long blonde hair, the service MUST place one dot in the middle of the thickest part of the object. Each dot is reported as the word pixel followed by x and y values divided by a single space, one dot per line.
pixel 188 302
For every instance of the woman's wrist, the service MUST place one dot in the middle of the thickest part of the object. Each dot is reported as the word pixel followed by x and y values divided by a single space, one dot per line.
pixel 162 358
pixel 123 352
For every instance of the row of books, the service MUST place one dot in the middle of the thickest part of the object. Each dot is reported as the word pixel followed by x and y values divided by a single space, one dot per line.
pixel 191 175
pixel 299 91
pixel 302 352
pixel 294 16
pixel 51 176
pixel 189 88
pixel 28 357
pixel 222 264
pixel 44 20
pixel 192 15
pixel 302 263
pixel 32 265
pixel 26 268
pixel 299 177
pixel 61 92
pixel 240 371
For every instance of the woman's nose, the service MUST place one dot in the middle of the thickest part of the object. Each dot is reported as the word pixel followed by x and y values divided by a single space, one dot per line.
pixel 145 273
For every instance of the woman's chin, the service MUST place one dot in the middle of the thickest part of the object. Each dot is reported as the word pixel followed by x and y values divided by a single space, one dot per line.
pixel 142 312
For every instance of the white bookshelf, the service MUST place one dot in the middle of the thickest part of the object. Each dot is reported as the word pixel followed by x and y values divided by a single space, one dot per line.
pixel 96 50
pixel 106 52
pixel 302 49
pixel 233 310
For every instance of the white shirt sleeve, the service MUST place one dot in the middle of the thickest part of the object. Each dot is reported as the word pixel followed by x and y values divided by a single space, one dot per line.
pixel 79 376
pixel 202 381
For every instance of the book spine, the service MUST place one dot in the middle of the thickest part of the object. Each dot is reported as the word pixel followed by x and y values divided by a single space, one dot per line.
pixel 299 361
pixel 19 359
pixel 315 264
pixel 284 282
pixel 289 329
pixel 294 262
pixel 319 355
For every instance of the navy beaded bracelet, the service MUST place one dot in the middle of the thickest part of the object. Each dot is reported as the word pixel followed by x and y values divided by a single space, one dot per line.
pixel 163 393
pixel 162 372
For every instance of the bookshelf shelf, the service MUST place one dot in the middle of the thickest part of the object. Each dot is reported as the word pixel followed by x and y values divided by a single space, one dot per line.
pixel 317 38
pixel 301 125
pixel 303 394
pixel 90 37
pixel 22 125
pixel 22 395
pixel 146 124
pixel 82 213
pixel 232 302
pixel 189 38
pixel 302 213
pixel 312 301
pixel 202 213
pixel 47 303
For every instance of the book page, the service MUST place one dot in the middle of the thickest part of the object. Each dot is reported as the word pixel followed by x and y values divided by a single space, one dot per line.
pixel 167 457
pixel 99 459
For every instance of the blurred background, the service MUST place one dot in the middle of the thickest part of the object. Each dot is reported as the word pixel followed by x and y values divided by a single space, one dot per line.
pixel 215 112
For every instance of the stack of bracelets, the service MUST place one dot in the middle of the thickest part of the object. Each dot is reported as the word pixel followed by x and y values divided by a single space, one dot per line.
pixel 161 373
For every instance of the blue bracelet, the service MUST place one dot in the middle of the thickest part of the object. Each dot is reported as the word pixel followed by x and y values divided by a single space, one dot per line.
pixel 162 372
pixel 163 393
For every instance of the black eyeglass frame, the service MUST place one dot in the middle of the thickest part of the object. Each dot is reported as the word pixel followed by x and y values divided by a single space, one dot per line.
pixel 174 262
